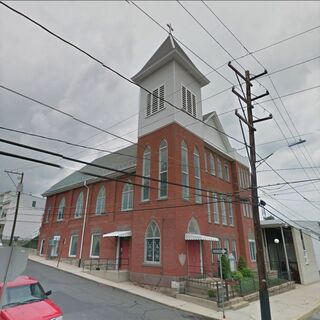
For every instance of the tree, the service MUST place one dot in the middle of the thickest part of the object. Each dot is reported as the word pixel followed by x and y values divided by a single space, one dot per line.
pixel 242 264
pixel 226 271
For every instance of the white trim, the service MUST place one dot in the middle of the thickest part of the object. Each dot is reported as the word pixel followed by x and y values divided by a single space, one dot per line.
pixel 193 236
pixel 41 246
pixel 70 244
pixel 121 234
pixel 92 235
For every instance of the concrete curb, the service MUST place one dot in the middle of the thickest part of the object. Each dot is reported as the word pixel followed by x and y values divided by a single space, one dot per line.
pixel 310 313
pixel 103 282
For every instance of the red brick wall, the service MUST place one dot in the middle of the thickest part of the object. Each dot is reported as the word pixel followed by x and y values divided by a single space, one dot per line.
pixel 172 215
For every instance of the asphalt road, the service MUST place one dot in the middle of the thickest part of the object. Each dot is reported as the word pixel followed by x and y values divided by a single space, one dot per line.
pixel 82 299
pixel 316 316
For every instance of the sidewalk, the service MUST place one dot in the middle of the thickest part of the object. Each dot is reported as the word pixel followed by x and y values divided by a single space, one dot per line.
pixel 291 305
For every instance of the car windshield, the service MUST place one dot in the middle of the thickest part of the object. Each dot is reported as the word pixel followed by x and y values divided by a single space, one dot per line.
pixel 23 294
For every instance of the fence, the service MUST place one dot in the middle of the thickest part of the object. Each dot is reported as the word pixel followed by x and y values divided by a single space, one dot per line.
pixel 207 287
pixel 105 264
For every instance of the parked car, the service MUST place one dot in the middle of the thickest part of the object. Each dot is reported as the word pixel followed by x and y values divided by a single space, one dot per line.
pixel 25 299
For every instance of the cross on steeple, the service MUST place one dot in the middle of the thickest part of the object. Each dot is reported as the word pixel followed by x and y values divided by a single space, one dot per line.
pixel 170 28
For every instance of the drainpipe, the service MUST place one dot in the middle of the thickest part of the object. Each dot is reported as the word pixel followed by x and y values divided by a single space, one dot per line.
pixel 83 223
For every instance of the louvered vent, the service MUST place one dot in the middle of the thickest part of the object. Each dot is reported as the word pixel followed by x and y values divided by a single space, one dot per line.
pixel 194 108
pixel 161 101
pixel 155 101
pixel 184 104
pixel 189 101
pixel 148 104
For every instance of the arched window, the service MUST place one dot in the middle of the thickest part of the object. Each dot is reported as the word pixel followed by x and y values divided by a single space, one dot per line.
pixel 101 200
pixel 127 197
pixel 61 207
pixel 184 171
pixel 212 165
pixel 152 243
pixel 193 226
pixel 145 194
pixel 163 169
pixel 79 206
pixel 197 175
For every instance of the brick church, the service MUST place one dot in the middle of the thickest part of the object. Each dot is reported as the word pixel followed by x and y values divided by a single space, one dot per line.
pixel 180 191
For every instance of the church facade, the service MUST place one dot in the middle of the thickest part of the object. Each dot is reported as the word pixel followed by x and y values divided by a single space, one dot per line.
pixel 179 192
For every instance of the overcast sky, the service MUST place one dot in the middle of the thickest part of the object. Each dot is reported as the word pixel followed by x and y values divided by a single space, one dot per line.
pixel 42 67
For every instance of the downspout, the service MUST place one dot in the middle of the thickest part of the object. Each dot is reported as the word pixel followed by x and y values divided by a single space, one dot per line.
pixel 83 224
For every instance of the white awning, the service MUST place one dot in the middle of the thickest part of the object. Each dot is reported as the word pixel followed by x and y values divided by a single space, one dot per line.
pixel 120 234
pixel 194 236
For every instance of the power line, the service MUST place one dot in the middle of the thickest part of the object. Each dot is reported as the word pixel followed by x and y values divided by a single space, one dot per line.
pixel 292 93
pixel 289 169
pixel 63 112
pixel 98 166
pixel 237 39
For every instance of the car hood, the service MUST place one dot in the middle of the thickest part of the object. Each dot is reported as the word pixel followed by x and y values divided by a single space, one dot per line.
pixel 42 310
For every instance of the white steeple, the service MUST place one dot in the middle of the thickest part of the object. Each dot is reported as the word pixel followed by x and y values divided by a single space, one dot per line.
pixel 171 75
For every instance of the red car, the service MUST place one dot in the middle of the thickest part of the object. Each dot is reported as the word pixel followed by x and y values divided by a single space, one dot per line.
pixel 25 299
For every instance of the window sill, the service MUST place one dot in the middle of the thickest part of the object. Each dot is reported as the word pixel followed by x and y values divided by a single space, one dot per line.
pixel 72 256
pixel 126 210
pixel 162 199
pixel 145 201
pixel 150 264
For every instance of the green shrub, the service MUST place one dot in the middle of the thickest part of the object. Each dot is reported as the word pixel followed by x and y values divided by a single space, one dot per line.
pixel 242 264
pixel 226 271
pixel 211 293
pixel 237 275
pixel 247 273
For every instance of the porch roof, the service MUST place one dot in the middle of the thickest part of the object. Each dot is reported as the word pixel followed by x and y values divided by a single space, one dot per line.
pixel 194 236
pixel 121 234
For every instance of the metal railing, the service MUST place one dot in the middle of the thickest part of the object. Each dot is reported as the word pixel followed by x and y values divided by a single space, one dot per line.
pixel 105 264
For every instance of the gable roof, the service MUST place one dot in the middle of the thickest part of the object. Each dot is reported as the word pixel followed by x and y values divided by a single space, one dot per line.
pixel 123 159
pixel 169 50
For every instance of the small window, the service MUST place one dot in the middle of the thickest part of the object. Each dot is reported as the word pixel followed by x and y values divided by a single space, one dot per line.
pixel 197 175
pixel 209 206
pixel 152 244
pixel 188 101
pixel 252 249
pixel 61 208
pixel 48 215
pixel 155 101
pixel 219 168
pixel 226 172
pixel 163 169
pixel 127 197
pixel 101 201
pixel 230 209
pixel 34 204
pixel 234 249
pixel 79 206
pixel 212 165
pixel 223 209
pixel 95 245
pixel 184 171
pixel 146 167
pixel 73 245
pixel 215 208
pixel 226 245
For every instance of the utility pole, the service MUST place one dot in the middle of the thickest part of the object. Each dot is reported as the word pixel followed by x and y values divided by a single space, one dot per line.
pixel 263 287
pixel 19 190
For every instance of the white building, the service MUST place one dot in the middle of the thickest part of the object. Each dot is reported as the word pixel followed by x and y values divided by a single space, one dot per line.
pixel 29 215
pixel 292 245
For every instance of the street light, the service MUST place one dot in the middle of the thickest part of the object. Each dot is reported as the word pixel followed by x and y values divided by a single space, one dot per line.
pixel 261 161
pixel 277 241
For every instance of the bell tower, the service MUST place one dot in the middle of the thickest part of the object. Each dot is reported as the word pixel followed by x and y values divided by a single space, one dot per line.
pixel 172 76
